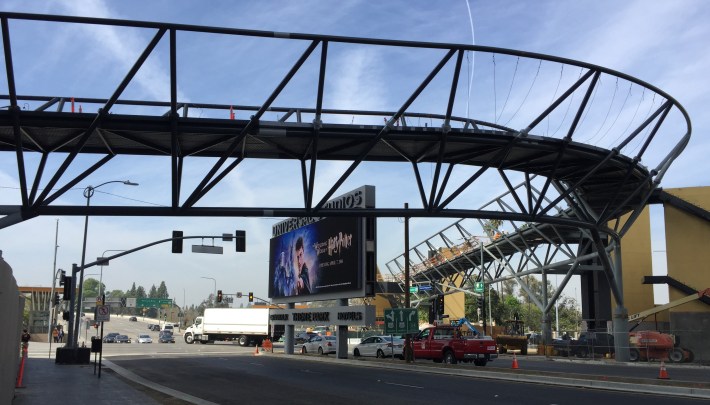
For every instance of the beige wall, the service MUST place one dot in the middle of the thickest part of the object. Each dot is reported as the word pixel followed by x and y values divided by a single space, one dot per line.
pixel 688 246
pixel 636 263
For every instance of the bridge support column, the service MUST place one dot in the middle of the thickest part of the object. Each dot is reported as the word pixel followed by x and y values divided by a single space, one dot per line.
pixel 621 333
pixel 546 329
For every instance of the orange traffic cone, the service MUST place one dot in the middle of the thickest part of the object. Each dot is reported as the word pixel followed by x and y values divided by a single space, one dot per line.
pixel 663 374
pixel 515 362
pixel 256 352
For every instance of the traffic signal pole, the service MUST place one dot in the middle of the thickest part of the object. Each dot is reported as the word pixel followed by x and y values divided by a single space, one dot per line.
pixel 72 336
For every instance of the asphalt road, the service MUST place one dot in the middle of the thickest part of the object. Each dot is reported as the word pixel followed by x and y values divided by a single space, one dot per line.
pixel 279 379
pixel 226 373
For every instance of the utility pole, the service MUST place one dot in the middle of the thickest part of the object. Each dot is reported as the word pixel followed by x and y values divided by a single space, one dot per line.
pixel 408 355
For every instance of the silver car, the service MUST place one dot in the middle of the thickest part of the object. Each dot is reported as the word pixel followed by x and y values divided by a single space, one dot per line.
pixel 144 339
pixel 379 346
pixel 320 344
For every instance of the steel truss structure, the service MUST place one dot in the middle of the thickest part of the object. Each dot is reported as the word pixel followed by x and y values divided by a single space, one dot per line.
pixel 573 202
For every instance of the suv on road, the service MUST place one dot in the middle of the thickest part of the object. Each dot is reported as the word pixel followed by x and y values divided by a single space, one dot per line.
pixel 168 328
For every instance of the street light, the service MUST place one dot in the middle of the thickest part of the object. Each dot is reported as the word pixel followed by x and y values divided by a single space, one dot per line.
pixel 103 262
pixel 215 287
pixel 73 337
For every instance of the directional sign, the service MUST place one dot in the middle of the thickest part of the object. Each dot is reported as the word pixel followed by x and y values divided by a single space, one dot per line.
pixel 152 302
pixel 425 287
pixel 399 321
pixel 479 287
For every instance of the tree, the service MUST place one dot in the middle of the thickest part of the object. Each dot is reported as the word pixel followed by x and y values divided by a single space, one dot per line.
pixel 91 288
pixel 153 292
pixel 140 292
pixel 162 290
pixel 132 292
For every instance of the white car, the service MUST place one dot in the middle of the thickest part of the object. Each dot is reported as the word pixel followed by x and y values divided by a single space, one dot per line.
pixel 379 346
pixel 320 345
pixel 168 327
pixel 144 339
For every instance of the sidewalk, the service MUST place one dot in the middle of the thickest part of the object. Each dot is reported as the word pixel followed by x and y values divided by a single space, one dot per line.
pixel 45 382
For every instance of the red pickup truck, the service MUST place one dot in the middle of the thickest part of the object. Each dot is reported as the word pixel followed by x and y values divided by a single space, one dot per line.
pixel 446 344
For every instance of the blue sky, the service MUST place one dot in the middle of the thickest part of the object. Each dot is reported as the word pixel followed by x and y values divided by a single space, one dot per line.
pixel 662 43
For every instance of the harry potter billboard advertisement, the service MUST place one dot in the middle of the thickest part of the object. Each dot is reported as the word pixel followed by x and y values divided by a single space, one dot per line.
pixel 323 258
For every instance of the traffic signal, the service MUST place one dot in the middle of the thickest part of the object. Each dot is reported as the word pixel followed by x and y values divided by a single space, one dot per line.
pixel 440 304
pixel 219 295
pixel 240 239
pixel 251 297
pixel 177 241
pixel 67 288
pixel 65 315
pixel 480 302
pixel 56 299
pixel 61 277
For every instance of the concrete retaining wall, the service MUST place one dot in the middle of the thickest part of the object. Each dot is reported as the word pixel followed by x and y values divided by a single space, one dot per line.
pixel 11 319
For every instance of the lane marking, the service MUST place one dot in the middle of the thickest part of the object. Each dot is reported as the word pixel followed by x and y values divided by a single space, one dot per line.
pixel 401 385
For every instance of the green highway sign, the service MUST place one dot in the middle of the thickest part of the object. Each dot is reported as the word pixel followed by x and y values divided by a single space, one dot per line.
pixel 479 287
pixel 152 302
pixel 413 289
pixel 399 321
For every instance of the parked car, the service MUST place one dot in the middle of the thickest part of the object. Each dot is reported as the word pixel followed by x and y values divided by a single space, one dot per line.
pixel 320 345
pixel 133 319
pixel 122 339
pixel 166 337
pixel 379 346
pixel 302 337
pixel 144 339
pixel 110 337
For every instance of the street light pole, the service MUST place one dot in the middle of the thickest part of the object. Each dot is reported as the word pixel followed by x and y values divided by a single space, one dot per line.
pixel 74 321
pixel 215 289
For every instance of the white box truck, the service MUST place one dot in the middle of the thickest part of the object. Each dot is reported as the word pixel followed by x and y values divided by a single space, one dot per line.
pixel 245 325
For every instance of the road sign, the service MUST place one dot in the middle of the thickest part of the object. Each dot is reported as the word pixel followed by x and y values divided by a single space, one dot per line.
pixel 413 289
pixel 425 287
pixel 103 313
pixel 152 302
pixel 399 321
pixel 130 302
pixel 479 287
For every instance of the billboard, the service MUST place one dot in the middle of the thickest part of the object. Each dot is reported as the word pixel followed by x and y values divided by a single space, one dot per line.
pixel 321 260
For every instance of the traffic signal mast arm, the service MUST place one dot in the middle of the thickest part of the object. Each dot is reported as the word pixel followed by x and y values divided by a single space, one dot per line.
pixel 265 301
pixel 639 317
pixel 103 260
